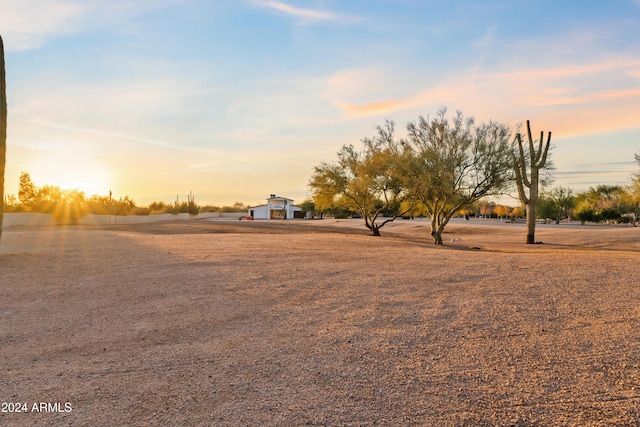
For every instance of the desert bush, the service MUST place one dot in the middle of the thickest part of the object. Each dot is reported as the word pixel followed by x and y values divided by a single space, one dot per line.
pixel 584 214
pixel 141 210
pixel 65 212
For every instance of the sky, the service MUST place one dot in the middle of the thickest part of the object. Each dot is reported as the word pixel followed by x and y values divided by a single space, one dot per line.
pixel 237 100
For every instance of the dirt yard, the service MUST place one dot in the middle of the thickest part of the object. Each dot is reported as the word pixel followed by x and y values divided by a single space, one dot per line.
pixel 243 323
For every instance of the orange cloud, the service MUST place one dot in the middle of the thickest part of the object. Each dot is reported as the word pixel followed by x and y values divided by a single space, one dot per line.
pixel 568 70
pixel 379 107
pixel 634 73
pixel 551 100
pixel 569 100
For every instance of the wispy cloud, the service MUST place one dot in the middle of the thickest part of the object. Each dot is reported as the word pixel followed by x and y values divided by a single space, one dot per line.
pixel 558 99
pixel 102 132
pixel 368 91
pixel 572 99
pixel 571 70
pixel 27 24
pixel 372 108
pixel 30 24
pixel 487 39
pixel 306 14
pixel 296 11
pixel 634 73
pixel 202 152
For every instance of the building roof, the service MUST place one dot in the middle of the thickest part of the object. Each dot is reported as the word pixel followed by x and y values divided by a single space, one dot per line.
pixel 273 196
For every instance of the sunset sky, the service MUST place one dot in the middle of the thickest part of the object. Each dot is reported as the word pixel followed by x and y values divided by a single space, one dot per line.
pixel 236 100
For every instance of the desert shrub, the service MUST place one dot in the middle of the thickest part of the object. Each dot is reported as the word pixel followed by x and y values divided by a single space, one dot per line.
pixel 236 207
pixel 140 210
pixel 159 207
pixel 67 212
pixel 209 208
pixel 104 205
pixel 173 209
pixel 184 207
pixel 625 219
pixel 610 215
pixel 14 208
pixel 586 214
pixel 189 207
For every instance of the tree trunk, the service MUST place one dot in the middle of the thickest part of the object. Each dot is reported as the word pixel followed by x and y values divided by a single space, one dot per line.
pixel 436 230
pixel 437 237
pixel 3 129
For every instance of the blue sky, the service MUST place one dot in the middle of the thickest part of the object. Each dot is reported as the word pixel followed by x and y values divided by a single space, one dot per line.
pixel 236 100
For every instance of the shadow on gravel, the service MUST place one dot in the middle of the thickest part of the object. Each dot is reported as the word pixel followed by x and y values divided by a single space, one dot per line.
pixel 232 227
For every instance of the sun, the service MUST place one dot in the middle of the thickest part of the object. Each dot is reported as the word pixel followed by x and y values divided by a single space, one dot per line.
pixel 71 172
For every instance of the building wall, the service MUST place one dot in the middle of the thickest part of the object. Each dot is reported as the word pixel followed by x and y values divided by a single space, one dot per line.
pixel 259 212
pixel 265 211
pixel 11 219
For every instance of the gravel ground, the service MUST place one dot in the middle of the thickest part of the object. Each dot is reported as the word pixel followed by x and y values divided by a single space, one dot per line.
pixel 317 323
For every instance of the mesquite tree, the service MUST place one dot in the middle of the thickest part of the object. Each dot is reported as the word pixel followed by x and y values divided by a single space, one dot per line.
pixel 368 181
pixel 528 161
pixel 3 129
pixel 453 164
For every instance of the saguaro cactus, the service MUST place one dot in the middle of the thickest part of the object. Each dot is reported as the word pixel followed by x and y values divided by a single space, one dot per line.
pixel 527 166
pixel 3 129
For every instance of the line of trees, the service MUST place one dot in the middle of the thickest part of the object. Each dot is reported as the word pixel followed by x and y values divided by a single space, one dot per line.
pixel 603 203
pixel 68 205
pixel 446 167
pixel 441 167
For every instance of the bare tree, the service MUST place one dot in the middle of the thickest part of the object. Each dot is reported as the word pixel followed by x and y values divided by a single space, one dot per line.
pixel 3 129
pixel 528 161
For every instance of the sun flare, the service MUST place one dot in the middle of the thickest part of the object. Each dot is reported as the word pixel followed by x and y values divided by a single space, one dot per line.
pixel 72 172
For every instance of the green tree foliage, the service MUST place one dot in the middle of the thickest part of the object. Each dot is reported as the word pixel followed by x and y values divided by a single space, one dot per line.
pixel 308 206
pixel 368 182
pixel 556 204
pixel 450 164
pixel 602 203
pixel 585 213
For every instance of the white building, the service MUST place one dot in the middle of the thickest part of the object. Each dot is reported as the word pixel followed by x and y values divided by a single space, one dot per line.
pixel 276 208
